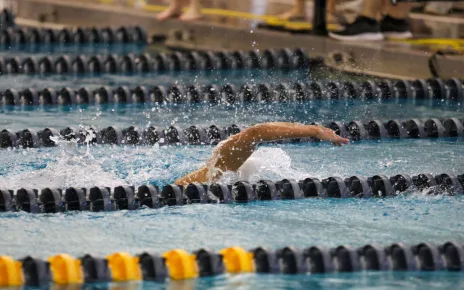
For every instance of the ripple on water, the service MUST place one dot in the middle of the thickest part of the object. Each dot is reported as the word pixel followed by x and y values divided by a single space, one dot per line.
pixel 275 224
pixel 329 222
pixel 117 165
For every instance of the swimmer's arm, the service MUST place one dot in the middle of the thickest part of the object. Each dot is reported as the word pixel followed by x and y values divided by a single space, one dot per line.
pixel 268 132
pixel 233 152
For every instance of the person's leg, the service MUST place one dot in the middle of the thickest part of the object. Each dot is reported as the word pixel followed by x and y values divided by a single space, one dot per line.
pixel 395 22
pixel 332 16
pixel 298 11
pixel 193 11
pixel 438 8
pixel 173 11
pixel 365 27
pixel 400 10
pixel 372 8
pixel 343 11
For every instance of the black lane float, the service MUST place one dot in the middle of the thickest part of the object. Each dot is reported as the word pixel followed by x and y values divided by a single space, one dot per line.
pixel 178 264
pixel 283 59
pixel 228 94
pixel 7 19
pixel 213 134
pixel 126 197
pixel 31 38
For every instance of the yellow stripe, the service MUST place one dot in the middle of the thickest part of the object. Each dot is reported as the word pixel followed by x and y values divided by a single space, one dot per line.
pixel 457 44
pixel 447 41
pixel 153 8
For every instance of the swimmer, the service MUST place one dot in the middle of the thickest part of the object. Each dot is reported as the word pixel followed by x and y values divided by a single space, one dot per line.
pixel 231 153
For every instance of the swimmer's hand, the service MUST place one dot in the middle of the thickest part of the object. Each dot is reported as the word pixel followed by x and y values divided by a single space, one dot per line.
pixel 326 134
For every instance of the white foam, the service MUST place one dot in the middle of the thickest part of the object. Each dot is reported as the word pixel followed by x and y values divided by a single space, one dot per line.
pixel 265 163
pixel 72 168
pixel 78 168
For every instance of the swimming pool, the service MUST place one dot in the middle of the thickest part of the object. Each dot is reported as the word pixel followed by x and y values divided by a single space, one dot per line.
pixel 410 218
pixel 184 115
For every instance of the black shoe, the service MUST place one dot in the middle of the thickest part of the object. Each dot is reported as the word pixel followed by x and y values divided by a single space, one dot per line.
pixel 362 28
pixel 395 28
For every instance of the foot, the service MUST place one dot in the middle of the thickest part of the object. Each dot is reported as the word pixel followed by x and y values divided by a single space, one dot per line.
pixel 337 18
pixel 362 29
pixel 293 14
pixel 438 8
pixel 191 15
pixel 171 12
pixel 395 28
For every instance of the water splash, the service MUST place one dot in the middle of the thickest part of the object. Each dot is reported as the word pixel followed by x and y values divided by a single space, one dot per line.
pixel 70 165
pixel 265 163
pixel 71 168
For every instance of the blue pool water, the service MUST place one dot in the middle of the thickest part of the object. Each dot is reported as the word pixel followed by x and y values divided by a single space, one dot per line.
pixel 411 218
pixel 184 115
pixel 107 165
pixel 199 78
pixel 301 223
pixel 369 280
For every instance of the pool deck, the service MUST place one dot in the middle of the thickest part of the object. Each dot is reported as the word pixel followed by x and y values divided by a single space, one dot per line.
pixel 385 59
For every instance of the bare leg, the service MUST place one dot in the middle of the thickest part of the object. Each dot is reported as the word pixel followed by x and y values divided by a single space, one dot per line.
pixel 372 9
pixel 344 11
pixel 438 8
pixel 230 154
pixel 331 4
pixel 397 16
pixel 298 11
pixel 193 11
pixel 173 11
pixel 400 11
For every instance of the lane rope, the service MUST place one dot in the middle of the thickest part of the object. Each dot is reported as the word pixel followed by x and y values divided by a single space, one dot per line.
pixel 178 264
pixel 21 38
pixel 229 94
pixel 213 134
pixel 126 197
pixel 130 64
